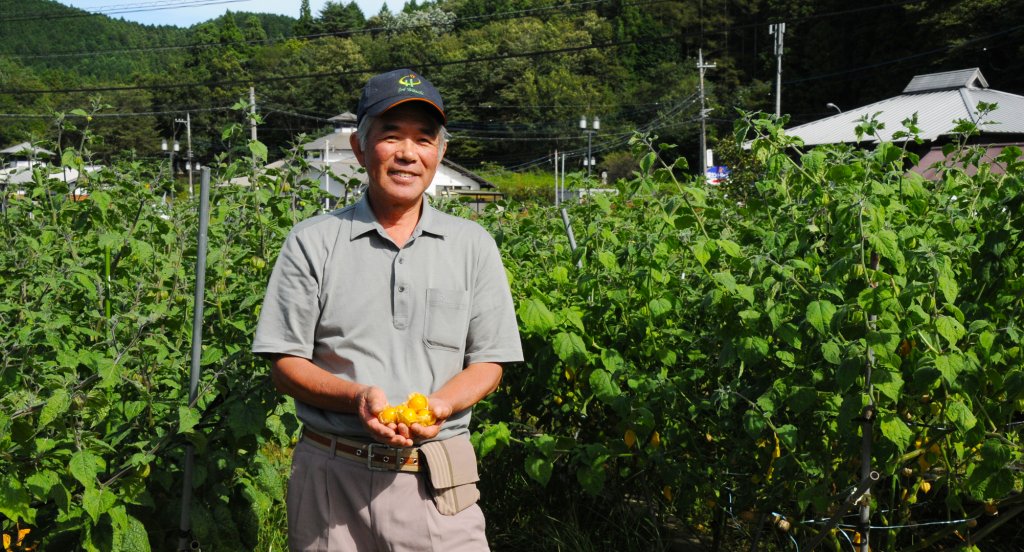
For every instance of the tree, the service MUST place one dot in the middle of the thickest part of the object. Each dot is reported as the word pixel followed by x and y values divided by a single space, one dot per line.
pixel 338 18
pixel 304 25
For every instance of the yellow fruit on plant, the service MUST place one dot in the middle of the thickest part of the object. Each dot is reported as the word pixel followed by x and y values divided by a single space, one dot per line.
pixel 655 439
pixel 926 486
pixel 630 438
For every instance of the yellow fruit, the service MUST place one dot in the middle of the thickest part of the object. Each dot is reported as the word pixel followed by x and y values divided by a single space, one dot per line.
pixel 417 401
pixel 666 491
pixel 408 416
pixel 387 416
pixel 926 486
pixel 655 439
pixel 630 438
pixel 426 417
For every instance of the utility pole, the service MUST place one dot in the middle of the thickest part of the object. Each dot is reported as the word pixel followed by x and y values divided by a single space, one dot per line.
pixel 556 178
pixel 701 66
pixel 188 149
pixel 252 122
pixel 779 30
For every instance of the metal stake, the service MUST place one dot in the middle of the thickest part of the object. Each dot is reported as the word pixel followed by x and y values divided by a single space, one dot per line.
pixel 185 540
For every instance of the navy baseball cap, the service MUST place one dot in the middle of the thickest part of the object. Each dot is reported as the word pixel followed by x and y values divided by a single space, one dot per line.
pixel 387 90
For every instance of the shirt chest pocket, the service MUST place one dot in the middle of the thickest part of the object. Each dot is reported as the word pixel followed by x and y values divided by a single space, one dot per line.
pixel 447 319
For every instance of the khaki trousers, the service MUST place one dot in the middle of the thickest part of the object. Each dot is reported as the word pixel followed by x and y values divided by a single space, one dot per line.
pixel 338 505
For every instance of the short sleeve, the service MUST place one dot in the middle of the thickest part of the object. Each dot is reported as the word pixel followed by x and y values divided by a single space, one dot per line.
pixel 493 329
pixel 291 307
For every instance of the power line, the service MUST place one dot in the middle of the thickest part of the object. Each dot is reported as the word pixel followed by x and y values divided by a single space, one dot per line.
pixel 335 74
pixel 70 12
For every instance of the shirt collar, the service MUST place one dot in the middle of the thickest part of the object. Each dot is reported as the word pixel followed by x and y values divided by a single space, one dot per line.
pixel 363 220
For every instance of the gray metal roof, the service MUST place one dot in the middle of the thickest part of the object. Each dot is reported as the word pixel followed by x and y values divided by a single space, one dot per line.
pixel 963 78
pixel 937 103
pixel 25 148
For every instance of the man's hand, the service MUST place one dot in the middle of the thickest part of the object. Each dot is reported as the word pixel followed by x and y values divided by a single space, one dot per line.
pixel 371 401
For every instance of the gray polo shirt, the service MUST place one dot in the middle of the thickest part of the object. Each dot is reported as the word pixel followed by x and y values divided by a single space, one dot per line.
pixel 343 295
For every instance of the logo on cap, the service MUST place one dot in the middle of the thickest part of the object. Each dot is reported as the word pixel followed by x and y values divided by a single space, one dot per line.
pixel 409 83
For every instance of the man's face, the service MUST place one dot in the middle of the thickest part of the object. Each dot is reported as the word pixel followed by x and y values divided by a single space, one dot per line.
pixel 401 154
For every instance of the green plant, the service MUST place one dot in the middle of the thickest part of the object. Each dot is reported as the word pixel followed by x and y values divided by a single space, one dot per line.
pixel 95 321
pixel 742 335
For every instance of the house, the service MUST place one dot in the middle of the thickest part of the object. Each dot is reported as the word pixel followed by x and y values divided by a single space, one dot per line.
pixel 939 100
pixel 20 159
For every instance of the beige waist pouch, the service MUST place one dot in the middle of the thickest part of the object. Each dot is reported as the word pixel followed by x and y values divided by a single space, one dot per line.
pixel 451 465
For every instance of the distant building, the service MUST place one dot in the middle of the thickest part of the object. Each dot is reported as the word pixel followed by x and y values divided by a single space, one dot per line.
pixel 17 162
pixel 939 100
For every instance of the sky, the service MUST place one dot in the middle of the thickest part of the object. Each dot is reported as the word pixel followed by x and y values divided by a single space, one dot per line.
pixel 184 13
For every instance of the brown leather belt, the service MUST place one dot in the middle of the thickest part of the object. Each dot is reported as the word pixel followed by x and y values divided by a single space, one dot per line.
pixel 375 456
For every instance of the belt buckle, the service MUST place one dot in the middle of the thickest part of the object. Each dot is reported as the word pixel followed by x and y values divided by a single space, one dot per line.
pixel 370 453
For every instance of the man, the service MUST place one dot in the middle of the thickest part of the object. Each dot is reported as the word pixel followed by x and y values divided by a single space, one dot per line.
pixel 373 302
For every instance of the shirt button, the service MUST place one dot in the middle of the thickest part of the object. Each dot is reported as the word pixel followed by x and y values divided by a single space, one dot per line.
pixel 401 260
pixel 401 288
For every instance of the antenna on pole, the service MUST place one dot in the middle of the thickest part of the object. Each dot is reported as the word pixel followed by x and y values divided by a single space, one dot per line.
pixel 779 30
pixel 701 66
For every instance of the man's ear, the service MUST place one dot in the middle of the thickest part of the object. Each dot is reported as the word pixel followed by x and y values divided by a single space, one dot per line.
pixel 353 140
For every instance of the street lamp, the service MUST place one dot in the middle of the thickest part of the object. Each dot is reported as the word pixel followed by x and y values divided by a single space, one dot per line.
pixel 170 149
pixel 590 132
pixel 187 121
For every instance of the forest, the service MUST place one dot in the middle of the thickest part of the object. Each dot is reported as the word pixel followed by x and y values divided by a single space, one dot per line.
pixel 518 75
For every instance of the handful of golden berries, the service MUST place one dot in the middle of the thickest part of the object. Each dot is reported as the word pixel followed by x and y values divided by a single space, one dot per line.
pixel 415 410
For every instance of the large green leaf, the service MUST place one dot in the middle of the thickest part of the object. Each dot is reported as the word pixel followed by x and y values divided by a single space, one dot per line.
pixel 539 469
pixel 961 416
pixel 15 501
pixel 820 313
pixel 605 388
pixel 493 438
pixel 895 430
pixel 536 317
pixel 569 346
pixel 55 406
pixel 188 418
pixel 84 465
pixel 949 328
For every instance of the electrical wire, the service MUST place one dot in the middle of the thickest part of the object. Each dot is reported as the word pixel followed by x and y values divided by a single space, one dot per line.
pixel 336 74
pixel 71 12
